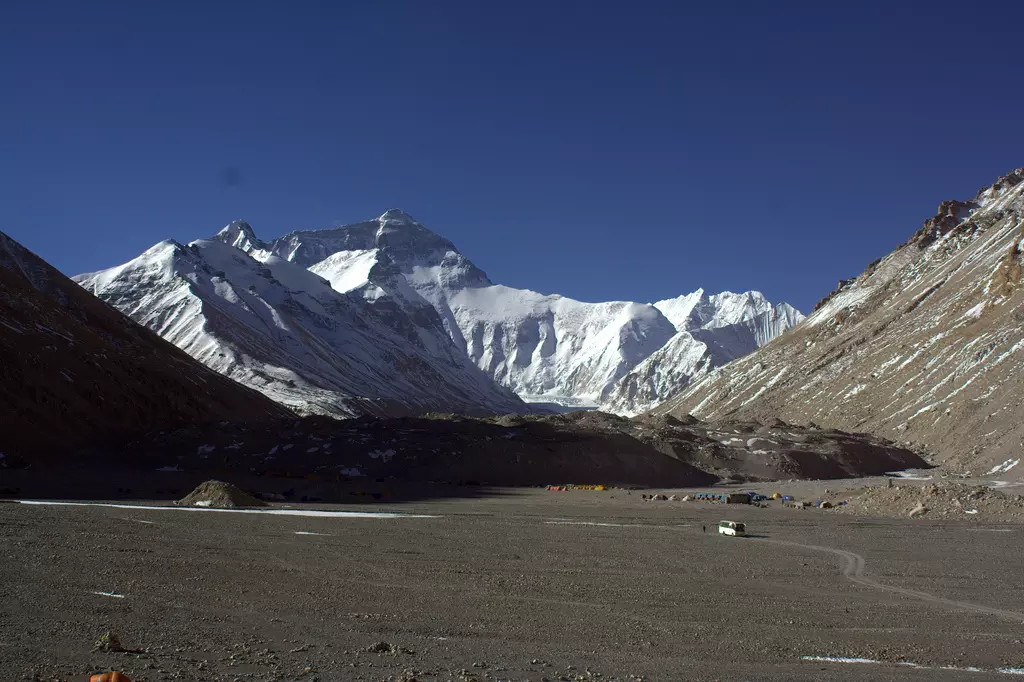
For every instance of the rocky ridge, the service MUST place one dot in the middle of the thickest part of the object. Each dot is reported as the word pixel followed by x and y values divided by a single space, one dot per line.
pixel 924 347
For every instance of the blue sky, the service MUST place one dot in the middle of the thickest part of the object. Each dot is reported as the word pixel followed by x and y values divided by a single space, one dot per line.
pixel 603 151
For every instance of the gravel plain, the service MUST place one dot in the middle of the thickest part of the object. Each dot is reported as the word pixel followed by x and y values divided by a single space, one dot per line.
pixel 510 584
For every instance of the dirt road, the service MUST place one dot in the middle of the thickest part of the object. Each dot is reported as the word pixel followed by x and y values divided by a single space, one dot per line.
pixel 853 568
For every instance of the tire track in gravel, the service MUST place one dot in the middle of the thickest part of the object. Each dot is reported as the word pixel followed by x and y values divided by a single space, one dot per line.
pixel 853 570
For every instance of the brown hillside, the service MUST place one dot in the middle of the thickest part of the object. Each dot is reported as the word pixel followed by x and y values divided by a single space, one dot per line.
pixel 926 346
pixel 74 371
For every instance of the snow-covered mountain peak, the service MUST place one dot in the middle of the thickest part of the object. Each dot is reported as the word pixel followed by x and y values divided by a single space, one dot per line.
pixel 283 329
pixel 679 309
pixel 999 188
pixel 240 235
pixel 699 310
pixel 547 348
pixel 397 216
pixel 394 274
pixel 395 234
pixel 234 228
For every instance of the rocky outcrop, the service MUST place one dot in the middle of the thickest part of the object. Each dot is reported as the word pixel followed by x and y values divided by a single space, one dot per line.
pixel 949 215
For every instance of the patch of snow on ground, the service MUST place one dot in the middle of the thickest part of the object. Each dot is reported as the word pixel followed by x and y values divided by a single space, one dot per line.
pixel 906 664
pixel 909 475
pixel 314 513
pixel 14 329
pixel 1004 467
pixel 976 311
pixel 850 298
pixel 170 468
pixel 855 390
pixel 382 455
pixel 768 384
pixel 1003 484
pixel 591 523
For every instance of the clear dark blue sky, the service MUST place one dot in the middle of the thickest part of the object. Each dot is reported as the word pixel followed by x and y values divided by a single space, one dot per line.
pixel 635 151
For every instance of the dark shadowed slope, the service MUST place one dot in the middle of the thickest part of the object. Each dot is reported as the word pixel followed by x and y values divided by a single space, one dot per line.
pixel 321 458
pixel 75 371
pixel 926 346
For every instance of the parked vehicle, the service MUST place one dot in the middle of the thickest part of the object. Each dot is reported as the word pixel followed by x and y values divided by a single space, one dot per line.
pixel 733 528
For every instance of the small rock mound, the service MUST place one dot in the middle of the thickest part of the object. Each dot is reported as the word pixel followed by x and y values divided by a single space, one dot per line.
pixel 936 500
pixel 219 495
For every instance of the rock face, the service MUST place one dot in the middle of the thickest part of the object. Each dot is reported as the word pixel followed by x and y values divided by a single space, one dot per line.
pixel 75 371
pixel 926 346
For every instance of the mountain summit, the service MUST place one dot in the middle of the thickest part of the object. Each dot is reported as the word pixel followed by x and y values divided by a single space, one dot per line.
pixel 545 347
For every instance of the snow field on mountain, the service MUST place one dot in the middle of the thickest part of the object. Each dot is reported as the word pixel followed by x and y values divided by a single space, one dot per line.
pixel 387 310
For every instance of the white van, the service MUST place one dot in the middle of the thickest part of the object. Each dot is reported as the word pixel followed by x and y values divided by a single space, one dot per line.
pixel 732 528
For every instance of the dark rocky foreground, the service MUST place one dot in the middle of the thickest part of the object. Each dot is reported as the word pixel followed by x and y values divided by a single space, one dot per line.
pixel 513 585
pixel 75 371
pixel 308 458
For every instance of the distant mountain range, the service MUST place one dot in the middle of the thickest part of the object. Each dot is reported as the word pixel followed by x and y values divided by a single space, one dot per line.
pixel 926 345
pixel 386 317
pixel 97 406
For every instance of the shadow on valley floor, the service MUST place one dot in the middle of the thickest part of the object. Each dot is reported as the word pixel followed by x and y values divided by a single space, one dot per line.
pixel 135 485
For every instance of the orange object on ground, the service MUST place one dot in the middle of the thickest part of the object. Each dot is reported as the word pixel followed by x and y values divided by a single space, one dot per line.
pixel 109 677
